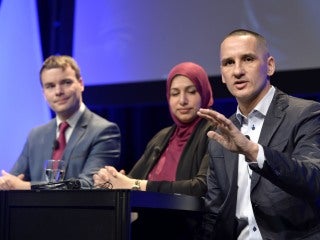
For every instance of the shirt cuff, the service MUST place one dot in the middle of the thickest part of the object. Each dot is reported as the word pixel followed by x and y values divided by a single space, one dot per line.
pixel 261 157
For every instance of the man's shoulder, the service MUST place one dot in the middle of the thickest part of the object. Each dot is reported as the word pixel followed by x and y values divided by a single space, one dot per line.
pixel 95 120
pixel 44 126
pixel 42 131
pixel 297 103
pixel 294 102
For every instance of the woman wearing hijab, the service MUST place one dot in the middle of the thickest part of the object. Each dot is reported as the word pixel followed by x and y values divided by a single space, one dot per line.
pixel 176 159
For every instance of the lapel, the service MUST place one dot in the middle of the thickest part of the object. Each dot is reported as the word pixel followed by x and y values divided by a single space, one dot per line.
pixel 50 137
pixel 231 164
pixel 273 120
pixel 77 134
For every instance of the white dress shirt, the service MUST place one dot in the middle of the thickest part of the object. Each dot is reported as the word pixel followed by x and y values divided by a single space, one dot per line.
pixel 251 125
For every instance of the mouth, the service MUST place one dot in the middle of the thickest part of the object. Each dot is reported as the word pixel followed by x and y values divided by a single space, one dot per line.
pixel 240 84
pixel 61 101
pixel 184 110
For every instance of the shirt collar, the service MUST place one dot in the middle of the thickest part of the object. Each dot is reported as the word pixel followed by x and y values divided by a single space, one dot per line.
pixel 261 108
pixel 74 118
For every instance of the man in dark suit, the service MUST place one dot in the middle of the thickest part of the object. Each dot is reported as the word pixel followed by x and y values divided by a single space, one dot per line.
pixel 264 175
pixel 92 141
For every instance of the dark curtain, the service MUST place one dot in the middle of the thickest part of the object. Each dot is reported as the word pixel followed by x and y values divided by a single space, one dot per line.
pixel 56 26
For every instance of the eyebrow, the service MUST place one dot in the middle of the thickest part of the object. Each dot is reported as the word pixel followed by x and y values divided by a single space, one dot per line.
pixel 186 87
pixel 252 55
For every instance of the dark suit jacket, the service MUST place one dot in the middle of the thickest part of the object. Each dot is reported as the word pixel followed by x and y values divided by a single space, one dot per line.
pixel 285 193
pixel 94 143
pixel 193 164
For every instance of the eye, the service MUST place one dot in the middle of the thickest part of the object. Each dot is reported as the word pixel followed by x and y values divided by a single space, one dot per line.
pixel 49 86
pixel 192 90
pixel 248 58
pixel 174 93
pixel 67 82
pixel 227 62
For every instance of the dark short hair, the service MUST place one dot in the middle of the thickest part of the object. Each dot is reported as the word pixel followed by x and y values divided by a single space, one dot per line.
pixel 243 32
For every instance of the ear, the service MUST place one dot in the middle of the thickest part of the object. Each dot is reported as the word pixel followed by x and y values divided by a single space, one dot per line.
pixel 271 66
pixel 222 78
pixel 44 95
pixel 81 83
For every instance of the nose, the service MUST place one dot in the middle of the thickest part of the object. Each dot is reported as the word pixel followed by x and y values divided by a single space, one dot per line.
pixel 58 89
pixel 183 99
pixel 238 70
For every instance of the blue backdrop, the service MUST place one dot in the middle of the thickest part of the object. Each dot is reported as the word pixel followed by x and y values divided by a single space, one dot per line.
pixel 21 102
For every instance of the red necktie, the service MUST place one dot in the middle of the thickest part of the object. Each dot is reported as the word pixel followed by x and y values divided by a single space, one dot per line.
pixel 58 151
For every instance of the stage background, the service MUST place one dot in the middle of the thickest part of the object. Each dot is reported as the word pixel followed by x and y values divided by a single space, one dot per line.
pixel 121 41
pixel 21 101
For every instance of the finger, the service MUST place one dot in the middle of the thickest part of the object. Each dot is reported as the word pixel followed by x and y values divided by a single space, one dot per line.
pixel 97 184
pixel 210 115
pixel 223 120
pixel 95 177
pixel 97 181
pixel 4 185
pixel 212 135
pixel 206 116
pixel 105 178
pixel 102 172
pixel 112 171
pixel 4 173
pixel 102 175
pixel 101 178
pixel 217 137
pixel 21 176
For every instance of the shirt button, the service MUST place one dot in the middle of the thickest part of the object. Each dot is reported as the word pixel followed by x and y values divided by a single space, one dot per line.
pixel 254 229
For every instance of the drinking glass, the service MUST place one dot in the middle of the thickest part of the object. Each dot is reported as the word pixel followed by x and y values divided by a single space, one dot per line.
pixel 55 170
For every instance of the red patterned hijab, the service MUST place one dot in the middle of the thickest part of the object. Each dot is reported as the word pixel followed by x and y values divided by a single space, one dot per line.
pixel 166 167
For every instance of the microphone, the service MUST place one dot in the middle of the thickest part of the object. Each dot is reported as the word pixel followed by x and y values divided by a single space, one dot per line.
pixel 70 184
pixel 73 183
pixel 156 152
pixel 55 145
